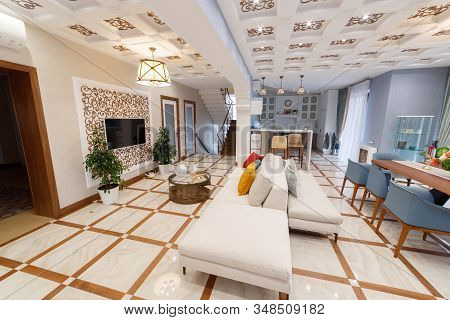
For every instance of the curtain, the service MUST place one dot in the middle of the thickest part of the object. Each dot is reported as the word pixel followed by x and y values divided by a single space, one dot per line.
pixel 444 128
pixel 341 106
pixel 353 132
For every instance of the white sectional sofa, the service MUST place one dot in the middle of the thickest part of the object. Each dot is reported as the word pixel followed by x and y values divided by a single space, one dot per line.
pixel 251 244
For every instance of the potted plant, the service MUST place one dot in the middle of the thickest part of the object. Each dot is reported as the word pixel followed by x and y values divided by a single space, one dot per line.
pixel 163 151
pixel 102 163
pixel 326 144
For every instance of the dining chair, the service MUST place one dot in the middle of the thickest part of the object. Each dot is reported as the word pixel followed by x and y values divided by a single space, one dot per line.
pixel 357 173
pixel 391 157
pixel 414 208
pixel 279 143
pixel 295 142
pixel 377 185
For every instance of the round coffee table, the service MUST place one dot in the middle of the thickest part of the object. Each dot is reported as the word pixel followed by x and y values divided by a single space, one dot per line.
pixel 189 189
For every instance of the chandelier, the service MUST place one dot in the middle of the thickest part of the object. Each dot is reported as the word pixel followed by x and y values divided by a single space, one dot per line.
pixel 281 90
pixel 153 73
pixel 301 89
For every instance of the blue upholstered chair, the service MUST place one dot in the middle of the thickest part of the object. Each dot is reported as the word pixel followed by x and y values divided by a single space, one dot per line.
pixel 357 173
pixel 390 156
pixel 377 184
pixel 414 208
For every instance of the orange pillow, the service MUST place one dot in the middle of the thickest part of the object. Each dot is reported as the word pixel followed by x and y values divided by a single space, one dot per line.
pixel 246 180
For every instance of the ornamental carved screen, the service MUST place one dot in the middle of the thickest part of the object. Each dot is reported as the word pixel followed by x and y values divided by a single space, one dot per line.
pixel 99 103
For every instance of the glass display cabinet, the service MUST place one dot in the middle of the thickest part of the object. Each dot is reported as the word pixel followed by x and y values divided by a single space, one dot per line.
pixel 413 136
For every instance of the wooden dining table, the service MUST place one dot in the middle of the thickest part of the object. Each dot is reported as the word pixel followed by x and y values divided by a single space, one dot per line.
pixel 431 180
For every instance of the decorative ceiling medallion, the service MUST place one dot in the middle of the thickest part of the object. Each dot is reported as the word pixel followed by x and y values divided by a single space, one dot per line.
pixel 121 48
pixel 368 53
pixel 388 61
pixel 120 24
pixel 309 25
pixel 410 50
pixel 430 11
pixel 263 61
pixel 262 49
pixel 27 4
pixel 199 73
pixel 342 42
pixel 251 5
pixel 157 19
pixel 329 56
pixel 301 45
pixel 354 64
pixel 291 68
pixel 321 66
pixel 82 29
pixel 181 41
pixel 308 1
pixel 264 69
pixel 264 31
pixel 188 67
pixel 392 38
pixel 442 33
pixel 367 19
pixel 173 57
pixel 295 58
pixel 425 59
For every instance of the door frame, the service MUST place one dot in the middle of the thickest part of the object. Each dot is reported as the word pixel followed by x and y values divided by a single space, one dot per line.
pixel 177 122
pixel 194 120
pixel 29 111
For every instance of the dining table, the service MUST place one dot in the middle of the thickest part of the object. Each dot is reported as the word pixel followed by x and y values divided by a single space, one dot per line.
pixel 416 173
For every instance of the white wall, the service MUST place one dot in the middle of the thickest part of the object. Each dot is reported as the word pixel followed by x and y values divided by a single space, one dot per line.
pixel 57 61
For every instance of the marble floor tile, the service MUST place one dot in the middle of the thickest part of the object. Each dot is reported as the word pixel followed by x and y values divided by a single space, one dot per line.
pixel 222 166
pixel 378 265
pixel 215 180
pixel 180 208
pixel 168 282
pixel 334 174
pixel 323 181
pixel 304 255
pixel 160 227
pixel 204 207
pixel 186 230
pixel 304 288
pixel 89 214
pixel 215 192
pixel 69 293
pixel 162 188
pixel 329 167
pixel 204 165
pixel 357 228
pixel 342 206
pixel 315 173
pixel 4 270
pixel 338 182
pixel 432 268
pixel 122 220
pixel 122 266
pixel 150 200
pixel 217 172
pixel 34 243
pixel 330 191
pixel 226 289
pixel 348 193
pixel 145 184
pixel 379 295
pixel 74 254
pixel 126 195
pixel 23 286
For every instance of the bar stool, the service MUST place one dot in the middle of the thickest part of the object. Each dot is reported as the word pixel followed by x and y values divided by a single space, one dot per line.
pixel 279 143
pixel 295 142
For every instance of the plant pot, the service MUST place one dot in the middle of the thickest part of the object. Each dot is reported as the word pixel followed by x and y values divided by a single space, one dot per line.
pixel 109 194
pixel 164 169
pixel 326 151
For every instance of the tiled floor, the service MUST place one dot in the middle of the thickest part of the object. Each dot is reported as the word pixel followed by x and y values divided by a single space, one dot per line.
pixel 129 251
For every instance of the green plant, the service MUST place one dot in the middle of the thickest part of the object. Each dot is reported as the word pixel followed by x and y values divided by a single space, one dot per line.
pixel 103 163
pixel 163 151
pixel 326 141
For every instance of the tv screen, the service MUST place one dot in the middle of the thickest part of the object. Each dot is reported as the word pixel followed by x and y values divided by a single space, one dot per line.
pixel 122 133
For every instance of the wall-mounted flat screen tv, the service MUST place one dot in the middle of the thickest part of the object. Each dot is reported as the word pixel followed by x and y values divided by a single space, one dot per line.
pixel 122 133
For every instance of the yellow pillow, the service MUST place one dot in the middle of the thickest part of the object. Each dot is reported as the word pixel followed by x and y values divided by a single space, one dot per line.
pixel 246 180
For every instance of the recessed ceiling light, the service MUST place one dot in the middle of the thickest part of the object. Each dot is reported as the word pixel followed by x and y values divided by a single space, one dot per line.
pixel 344 39
pixel 262 47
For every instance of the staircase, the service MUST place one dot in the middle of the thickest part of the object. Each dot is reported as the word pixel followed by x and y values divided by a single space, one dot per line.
pixel 220 107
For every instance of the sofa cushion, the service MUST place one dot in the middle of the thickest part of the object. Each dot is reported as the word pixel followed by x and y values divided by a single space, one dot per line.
pixel 246 180
pixel 292 177
pixel 227 234
pixel 251 158
pixel 259 190
pixel 229 193
pixel 278 195
pixel 312 204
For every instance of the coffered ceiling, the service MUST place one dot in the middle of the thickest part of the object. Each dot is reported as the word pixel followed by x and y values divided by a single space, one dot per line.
pixel 337 42
pixel 124 29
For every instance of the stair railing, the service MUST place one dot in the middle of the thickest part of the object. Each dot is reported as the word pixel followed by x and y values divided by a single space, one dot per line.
pixel 223 129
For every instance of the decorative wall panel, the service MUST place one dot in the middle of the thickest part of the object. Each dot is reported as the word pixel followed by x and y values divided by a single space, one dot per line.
pixel 97 101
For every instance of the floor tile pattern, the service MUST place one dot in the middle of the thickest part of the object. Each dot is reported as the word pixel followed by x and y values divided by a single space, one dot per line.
pixel 129 250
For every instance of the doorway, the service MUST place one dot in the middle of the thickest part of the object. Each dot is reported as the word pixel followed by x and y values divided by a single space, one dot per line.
pixel 189 124
pixel 170 120
pixel 30 134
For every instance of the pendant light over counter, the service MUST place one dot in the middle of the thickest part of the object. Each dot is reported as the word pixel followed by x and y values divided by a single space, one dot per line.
pixel 153 73
pixel 301 89
pixel 263 91
pixel 281 90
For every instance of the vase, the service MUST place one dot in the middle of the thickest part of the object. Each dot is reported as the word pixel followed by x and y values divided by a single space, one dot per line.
pixel 109 196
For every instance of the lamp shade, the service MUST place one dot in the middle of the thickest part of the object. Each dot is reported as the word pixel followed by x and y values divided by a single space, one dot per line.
pixel 153 73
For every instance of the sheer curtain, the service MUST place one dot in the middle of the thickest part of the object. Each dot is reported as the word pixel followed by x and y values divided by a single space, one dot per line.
pixel 444 130
pixel 353 132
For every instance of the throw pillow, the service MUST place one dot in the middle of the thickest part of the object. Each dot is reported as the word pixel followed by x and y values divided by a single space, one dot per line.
pixel 257 163
pixel 251 158
pixel 292 177
pixel 246 180
pixel 259 190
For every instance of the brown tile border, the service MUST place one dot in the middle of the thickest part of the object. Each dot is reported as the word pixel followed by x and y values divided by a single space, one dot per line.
pixel 320 276
pixel 97 289
pixel 24 234
pixel 206 295
pixel 395 291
